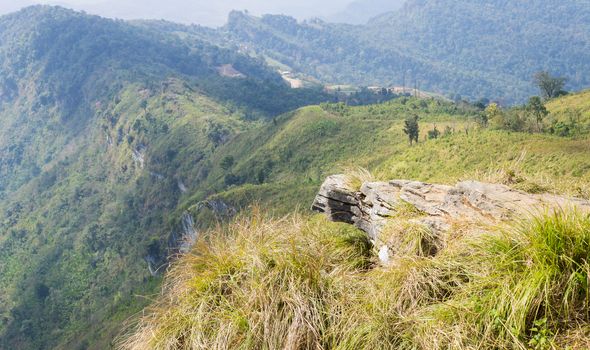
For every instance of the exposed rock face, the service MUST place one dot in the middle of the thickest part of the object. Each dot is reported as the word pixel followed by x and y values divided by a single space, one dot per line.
pixel 138 155
pixel 184 237
pixel 468 202
pixel 189 233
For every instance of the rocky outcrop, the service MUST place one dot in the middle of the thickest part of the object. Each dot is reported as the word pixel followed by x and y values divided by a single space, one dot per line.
pixel 186 234
pixel 138 155
pixel 468 202
pixel 189 233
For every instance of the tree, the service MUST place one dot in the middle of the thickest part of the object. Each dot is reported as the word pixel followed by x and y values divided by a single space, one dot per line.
pixel 549 86
pixel 561 128
pixel 482 119
pixel 217 133
pixel 412 129
pixel 493 113
pixel 227 162
pixel 434 133
pixel 536 108
pixel 482 103
pixel 231 179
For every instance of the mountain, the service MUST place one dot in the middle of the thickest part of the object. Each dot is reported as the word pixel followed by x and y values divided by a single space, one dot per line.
pixel 105 127
pixel 212 14
pixel 474 49
pixel 504 42
pixel 361 11
pixel 442 260
pixel 124 144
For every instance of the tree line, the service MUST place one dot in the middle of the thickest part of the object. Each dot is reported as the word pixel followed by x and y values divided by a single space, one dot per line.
pixel 530 117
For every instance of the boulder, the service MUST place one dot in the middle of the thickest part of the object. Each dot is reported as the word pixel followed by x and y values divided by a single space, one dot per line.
pixel 440 206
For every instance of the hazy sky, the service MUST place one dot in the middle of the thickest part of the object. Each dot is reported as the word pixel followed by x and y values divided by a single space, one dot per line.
pixel 205 12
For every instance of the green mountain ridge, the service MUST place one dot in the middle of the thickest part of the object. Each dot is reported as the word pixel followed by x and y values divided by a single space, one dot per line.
pixel 104 125
pixel 254 282
pixel 89 58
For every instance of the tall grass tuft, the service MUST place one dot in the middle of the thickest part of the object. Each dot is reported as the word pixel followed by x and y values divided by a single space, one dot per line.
pixel 357 176
pixel 542 276
pixel 257 284
pixel 529 284
pixel 300 283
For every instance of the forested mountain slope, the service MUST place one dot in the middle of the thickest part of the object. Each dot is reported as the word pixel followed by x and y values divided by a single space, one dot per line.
pixel 105 126
pixel 476 49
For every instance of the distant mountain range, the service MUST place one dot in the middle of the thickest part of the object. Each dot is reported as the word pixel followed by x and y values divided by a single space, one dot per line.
pixel 208 13
pixel 477 49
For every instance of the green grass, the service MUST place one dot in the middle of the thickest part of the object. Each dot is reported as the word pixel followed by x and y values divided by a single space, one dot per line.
pixel 520 286
pixel 303 283
pixel 298 150
pixel 575 106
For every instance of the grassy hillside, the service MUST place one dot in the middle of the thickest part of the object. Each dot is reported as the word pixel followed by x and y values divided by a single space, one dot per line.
pixel 302 282
pixel 284 162
pixel 107 206
pixel 77 238
pixel 113 133
pixel 59 65
pixel 575 106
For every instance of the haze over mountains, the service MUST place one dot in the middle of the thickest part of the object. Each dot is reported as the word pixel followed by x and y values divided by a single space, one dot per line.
pixel 361 11
pixel 213 13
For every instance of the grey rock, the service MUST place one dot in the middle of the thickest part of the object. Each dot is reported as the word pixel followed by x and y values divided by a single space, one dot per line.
pixel 469 202
pixel 189 233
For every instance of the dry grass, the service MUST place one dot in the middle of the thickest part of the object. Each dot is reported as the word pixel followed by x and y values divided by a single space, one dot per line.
pixel 300 283
pixel 258 284
pixel 357 176
pixel 513 174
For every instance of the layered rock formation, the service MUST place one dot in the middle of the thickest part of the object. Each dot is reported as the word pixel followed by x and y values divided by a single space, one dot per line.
pixel 440 206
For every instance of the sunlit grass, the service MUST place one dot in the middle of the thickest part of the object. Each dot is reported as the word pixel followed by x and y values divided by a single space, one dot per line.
pixel 301 283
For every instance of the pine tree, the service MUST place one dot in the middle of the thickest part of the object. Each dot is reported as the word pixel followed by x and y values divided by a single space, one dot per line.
pixel 538 110
pixel 412 129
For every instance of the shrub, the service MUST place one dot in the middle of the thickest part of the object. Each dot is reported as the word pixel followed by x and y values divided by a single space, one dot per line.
pixel 434 133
